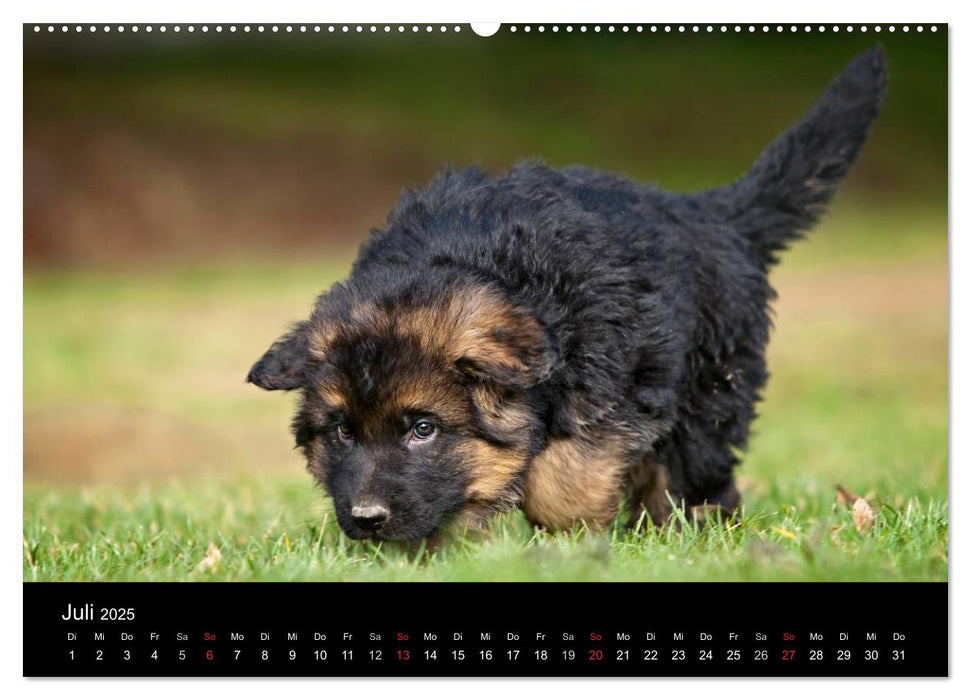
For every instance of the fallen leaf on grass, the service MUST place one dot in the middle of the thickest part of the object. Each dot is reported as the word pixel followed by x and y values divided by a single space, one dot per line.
pixel 863 516
pixel 211 561
pixel 785 533
pixel 861 511
pixel 844 497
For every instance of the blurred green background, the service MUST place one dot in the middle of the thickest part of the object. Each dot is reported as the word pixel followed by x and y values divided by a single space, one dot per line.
pixel 187 196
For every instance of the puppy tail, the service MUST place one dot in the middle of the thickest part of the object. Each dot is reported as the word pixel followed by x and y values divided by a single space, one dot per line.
pixel 787 189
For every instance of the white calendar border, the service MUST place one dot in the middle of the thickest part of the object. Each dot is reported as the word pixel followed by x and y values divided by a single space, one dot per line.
pixel 549 11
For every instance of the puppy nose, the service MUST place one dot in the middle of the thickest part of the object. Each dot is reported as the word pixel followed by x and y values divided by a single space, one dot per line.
pixel 370 516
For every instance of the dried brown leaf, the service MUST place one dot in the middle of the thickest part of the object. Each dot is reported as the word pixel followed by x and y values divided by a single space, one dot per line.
pixel 845 497
pixel 863 516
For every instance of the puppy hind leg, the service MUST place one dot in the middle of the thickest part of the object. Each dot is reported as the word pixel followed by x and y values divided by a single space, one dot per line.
pixel 650 493
pixel 653 496
pixel 723 506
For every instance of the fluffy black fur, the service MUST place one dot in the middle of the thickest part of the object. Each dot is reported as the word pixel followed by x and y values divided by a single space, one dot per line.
pixel 654 306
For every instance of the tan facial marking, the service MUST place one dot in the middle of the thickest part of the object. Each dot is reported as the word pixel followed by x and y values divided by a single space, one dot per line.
pixel 570 482
pixel 332 396
pixel 476 323
pixel 489 329
pixel 429 393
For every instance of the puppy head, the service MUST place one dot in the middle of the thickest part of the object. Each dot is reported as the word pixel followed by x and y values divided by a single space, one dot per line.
pixel 413 404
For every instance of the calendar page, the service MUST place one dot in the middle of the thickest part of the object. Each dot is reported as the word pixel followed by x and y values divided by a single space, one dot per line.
pixel 485 350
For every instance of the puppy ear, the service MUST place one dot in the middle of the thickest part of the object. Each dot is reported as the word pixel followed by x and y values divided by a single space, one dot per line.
pixel 283 365
pixel 501 343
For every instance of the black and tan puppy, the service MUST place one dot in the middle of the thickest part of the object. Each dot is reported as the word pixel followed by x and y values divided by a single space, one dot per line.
pixel 557 339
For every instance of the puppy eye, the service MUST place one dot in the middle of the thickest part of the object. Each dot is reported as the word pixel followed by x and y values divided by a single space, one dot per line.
pixel 345 433
pixel 422 430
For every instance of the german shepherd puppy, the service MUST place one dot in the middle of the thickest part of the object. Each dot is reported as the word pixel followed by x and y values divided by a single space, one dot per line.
pixel 557 340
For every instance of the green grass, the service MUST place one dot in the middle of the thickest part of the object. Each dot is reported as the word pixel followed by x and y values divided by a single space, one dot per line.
pixel 143 447
pixel 281 529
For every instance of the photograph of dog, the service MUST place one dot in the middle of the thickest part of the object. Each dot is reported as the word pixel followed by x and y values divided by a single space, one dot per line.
pixel 534 306
pixel 561 340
